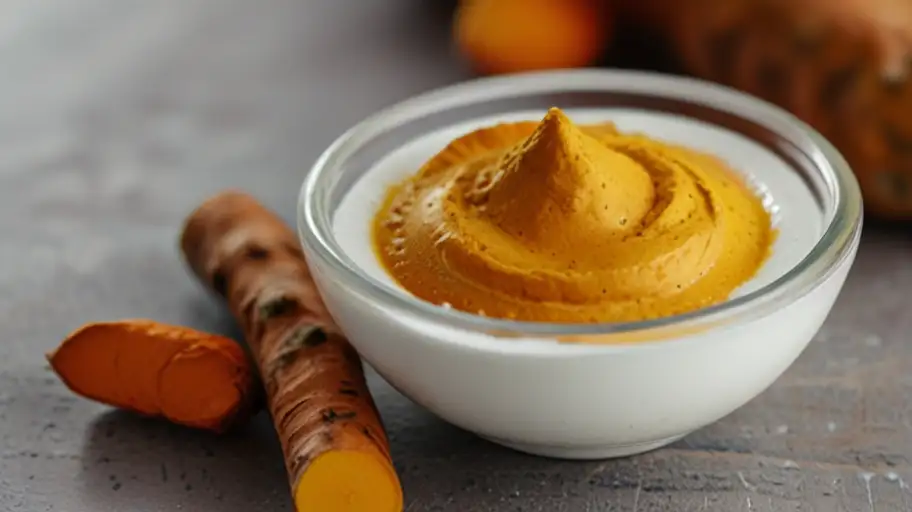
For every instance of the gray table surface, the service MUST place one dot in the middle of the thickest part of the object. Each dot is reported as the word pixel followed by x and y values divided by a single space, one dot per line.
pixel 118 116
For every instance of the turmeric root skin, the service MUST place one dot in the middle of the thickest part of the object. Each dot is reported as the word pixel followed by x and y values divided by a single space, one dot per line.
pixel 185 376
pixel 336 450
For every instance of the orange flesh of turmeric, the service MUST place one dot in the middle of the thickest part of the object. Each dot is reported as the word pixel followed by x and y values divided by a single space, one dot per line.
pixel 186 376
pixel 556 222
pixel 321 487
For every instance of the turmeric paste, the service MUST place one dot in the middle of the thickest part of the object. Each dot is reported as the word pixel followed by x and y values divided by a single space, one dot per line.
pixel 188 377
pixel 336 450
pixel 555 222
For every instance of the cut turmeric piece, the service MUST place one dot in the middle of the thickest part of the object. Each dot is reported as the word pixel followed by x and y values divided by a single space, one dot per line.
pixel 335 447
pixel 186 376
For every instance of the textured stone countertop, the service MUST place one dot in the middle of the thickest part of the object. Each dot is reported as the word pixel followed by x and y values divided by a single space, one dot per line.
pixel 118 116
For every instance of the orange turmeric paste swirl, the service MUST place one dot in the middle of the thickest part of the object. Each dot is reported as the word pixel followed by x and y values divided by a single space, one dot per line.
pixel 556 222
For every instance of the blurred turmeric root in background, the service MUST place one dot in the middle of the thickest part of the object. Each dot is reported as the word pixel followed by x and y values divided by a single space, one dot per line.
pixel 507 36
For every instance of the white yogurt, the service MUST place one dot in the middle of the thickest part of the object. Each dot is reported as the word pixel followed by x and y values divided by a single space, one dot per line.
pixel 786 196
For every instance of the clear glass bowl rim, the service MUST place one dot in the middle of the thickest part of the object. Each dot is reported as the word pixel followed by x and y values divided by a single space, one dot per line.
pixel 835 244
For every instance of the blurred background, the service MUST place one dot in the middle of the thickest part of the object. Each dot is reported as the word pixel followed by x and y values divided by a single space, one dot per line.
pixel 117 117
pixel 111 67
pixel 306 70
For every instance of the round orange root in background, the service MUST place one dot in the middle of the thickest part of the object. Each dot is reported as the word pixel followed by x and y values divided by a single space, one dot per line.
pixel 507 36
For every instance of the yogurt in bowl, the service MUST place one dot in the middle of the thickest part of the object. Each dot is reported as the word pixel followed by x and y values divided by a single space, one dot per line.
pixel 603 387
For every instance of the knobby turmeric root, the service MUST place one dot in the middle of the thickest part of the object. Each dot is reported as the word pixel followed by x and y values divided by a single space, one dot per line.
pixel 185 376
pixel 336 450
pixel 844 67
pixel 507 36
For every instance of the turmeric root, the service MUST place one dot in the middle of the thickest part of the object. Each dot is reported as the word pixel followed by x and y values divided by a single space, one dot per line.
pixel 183 375
pixel 844 67
pixel 335 447
pixel 507 36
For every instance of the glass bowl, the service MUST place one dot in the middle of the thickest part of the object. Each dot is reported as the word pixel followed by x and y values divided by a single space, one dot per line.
pixel 585 390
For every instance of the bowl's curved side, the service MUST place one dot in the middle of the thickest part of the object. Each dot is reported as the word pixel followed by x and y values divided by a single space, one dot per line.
pixel 570 404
